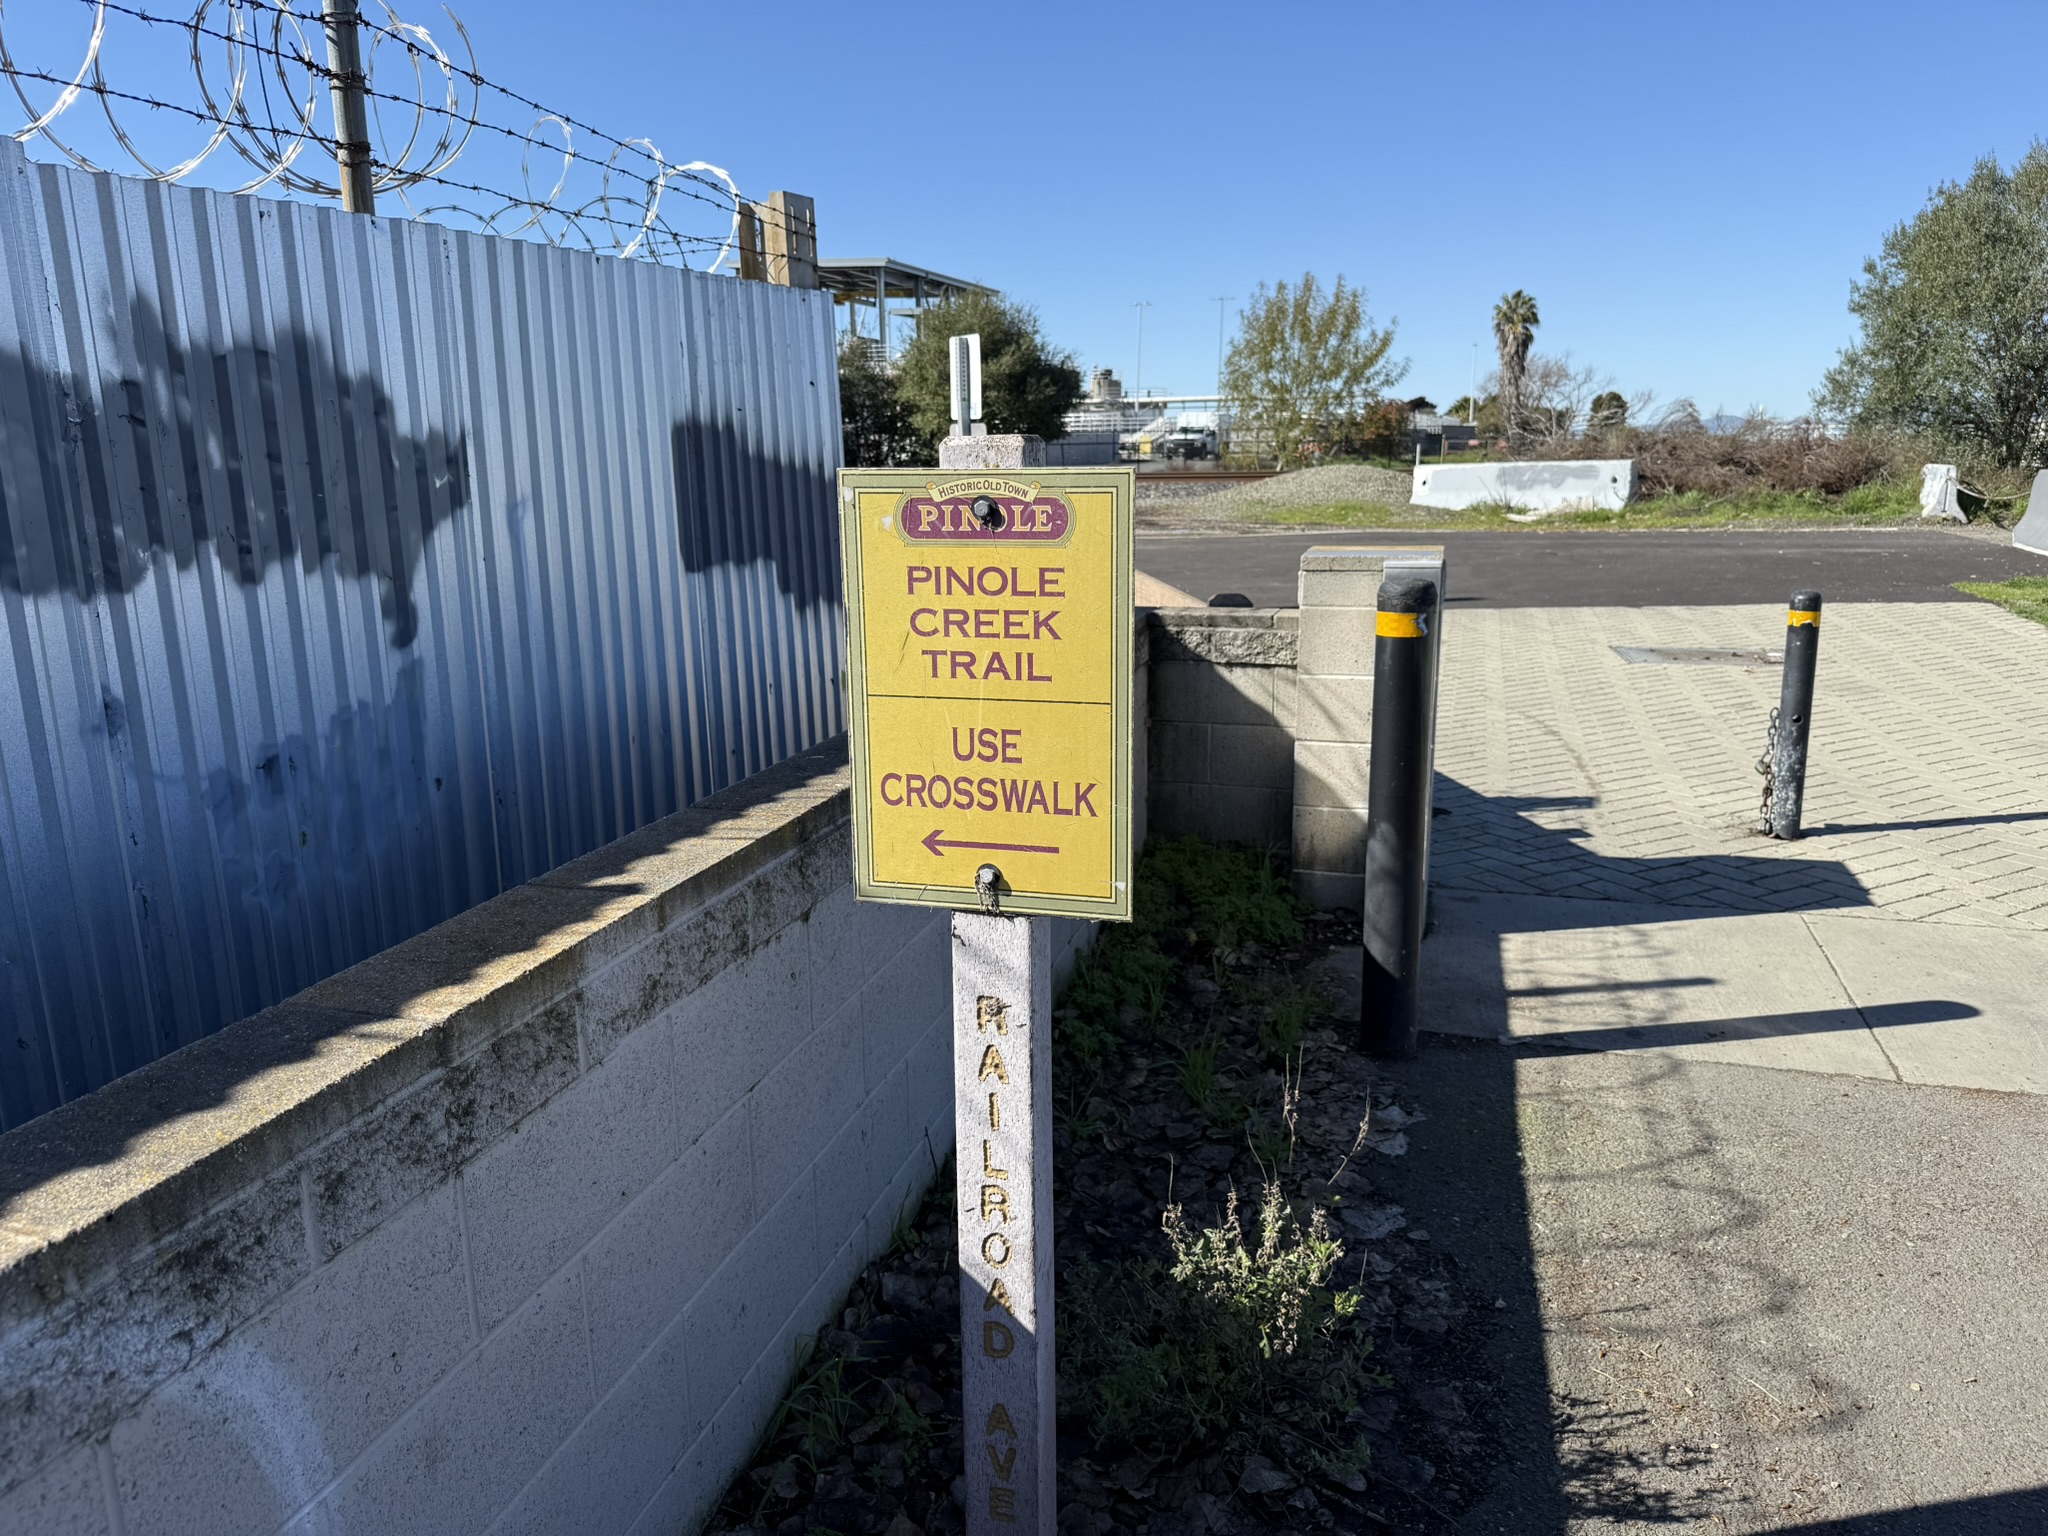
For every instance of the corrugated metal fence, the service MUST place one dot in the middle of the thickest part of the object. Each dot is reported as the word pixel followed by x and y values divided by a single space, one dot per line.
pixel 356 570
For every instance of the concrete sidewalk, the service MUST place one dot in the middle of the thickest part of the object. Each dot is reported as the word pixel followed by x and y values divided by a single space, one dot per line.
pixel 1778 1109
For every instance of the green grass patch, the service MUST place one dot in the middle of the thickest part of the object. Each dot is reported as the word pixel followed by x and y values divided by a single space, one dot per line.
pixel 1883 504
pixel 2026 596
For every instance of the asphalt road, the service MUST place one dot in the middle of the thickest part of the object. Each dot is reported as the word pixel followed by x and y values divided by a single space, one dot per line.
pixel 1513 569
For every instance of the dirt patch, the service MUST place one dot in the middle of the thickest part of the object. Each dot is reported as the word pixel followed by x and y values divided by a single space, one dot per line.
pixel 869 1440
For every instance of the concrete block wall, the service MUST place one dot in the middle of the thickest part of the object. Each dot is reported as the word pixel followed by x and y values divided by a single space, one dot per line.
pixel 1339 596
pixel 1223 714
pixel 514 1228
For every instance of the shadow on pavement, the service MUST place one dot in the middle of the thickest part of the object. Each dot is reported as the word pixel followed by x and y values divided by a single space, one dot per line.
pixel 1560 1461
pixel 1810 1021
pixel 2022 1513
pixel 1830 828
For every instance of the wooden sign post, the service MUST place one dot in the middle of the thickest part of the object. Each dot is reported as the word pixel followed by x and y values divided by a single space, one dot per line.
pixel 990 629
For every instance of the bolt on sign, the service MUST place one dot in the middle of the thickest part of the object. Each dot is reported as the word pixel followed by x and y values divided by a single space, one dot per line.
pixel 989 619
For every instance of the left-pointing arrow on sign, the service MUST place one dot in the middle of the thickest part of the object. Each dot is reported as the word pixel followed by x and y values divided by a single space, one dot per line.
pixel 936 844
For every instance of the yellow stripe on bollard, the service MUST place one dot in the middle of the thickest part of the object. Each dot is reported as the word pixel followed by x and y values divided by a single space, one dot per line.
pixel 1794 617
pixel 1401 626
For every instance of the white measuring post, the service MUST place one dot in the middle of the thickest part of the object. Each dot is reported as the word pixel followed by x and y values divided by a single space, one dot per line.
pixel 989 622
pixel 965 379
pixel 1002 1153
pixel 1002 1117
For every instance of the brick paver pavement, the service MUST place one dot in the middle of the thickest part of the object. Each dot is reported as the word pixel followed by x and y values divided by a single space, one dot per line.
pixel 1566 771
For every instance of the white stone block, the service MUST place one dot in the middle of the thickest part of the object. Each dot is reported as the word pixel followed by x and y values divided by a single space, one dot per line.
pixel 453 1462
pixel 619 1457
pixel 2031 532
pixel 738 1313
pixel 903 1001
pixel 734 1030
pixel 66 1498
pixel 642 1270
pixel 1002 1074
pixel 801 1105
pixel 258 1426
pixel 549 1185
pixel 1565 485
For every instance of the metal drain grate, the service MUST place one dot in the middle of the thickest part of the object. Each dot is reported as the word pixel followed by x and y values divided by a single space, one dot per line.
pixel 1689 656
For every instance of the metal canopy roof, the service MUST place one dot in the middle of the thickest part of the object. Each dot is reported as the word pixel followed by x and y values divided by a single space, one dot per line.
pixel 857 279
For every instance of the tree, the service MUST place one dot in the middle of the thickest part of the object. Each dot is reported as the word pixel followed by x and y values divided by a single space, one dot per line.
pixel 1303 362
pixel 1954 312
pixel 1026 386
pixel 1514 332
pixel 1608 410
pixel 874 422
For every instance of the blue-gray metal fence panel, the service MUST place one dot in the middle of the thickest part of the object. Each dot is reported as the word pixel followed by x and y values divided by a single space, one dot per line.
pixel 355 570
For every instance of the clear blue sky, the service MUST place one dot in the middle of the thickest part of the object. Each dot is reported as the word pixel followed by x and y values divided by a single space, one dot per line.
pixel 1687 189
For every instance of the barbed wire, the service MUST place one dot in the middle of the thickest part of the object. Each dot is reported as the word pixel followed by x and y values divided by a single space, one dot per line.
pixel 260 86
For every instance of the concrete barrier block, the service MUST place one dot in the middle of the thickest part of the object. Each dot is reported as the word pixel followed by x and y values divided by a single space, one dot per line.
pixel 1199 692
pixel 1329 840
pixel 256 1428
pixel 2031 531
pixel 619 1457
pixel 1251 756
pixel 801 1105
pixel 654 977
pixel 685 1501
pixel 546 1188
pixel 391 1157
pixel 885 928
pixel 455 1460
pixel 1561 486
pixel 73 1373
pixel 66 1498
pixel 840 963
pixel 931 1082
pixel 1326 892
pixel 642 1270
pixel 1331 773
pixel 1286 686
pixel 847 1181
pixel 904 998
pixel 789 888
pixel 1354 583
pixel 1338 642
pixel 1178 753
pixel 738 1313
pixel 1257 817
pixel 1335 709
pixel 732 1031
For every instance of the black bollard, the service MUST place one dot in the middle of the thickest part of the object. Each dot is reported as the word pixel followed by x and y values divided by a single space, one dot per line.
pixel 1795 715
pixel 1397 818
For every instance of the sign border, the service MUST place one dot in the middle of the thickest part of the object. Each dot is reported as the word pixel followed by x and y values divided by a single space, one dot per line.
pixel 1121 484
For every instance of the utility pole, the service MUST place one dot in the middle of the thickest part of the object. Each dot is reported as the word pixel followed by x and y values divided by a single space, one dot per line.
pixel 1221 300
pixel 350 87
pixel 1138 379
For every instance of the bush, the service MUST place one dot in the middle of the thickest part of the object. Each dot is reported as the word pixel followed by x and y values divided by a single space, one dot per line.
pixel 1231 1340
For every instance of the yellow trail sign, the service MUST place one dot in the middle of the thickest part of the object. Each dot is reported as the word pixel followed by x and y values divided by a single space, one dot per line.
pixel 990 624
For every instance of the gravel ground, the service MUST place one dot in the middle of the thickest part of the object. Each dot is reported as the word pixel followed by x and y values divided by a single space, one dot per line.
pixel 1183 504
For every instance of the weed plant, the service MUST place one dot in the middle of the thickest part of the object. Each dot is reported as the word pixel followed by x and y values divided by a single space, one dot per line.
pixel 1218 1338
pixel 1221 1341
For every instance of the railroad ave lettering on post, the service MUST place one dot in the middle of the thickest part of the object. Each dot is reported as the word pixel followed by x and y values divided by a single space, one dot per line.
pixel 990 636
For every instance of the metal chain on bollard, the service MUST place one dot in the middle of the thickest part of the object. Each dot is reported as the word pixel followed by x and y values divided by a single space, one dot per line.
pixel 1397 819
pixel 1768 767
pixel 1792 720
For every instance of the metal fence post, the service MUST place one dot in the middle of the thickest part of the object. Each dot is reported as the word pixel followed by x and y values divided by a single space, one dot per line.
pixel 1795 715
pixel 348 83
pixel 1397 817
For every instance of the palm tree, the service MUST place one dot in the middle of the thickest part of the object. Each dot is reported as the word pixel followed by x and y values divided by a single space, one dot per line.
pixel 1514 332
